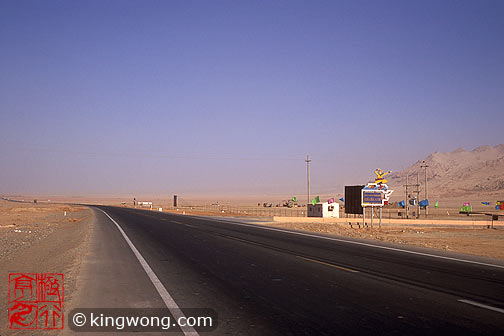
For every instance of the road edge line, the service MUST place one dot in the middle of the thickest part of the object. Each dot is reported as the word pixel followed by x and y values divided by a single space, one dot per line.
pixel 482 305
pixel 162 291
pixel 353 242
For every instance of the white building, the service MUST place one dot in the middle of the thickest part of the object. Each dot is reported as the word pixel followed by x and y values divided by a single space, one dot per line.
pixel 324 210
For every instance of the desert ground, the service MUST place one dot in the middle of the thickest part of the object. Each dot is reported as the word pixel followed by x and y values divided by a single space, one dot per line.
pixel 478 241
pixel 45 218
pixel 39 238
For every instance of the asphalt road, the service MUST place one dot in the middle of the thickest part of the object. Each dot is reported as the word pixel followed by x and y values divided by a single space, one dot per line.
pixel 266 281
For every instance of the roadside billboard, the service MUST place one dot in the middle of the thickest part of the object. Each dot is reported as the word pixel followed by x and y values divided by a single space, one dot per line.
pixel 372 198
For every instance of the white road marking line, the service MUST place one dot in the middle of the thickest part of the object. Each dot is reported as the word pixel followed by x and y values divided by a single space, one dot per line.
pixel 189 225
pixel 329 264
pixel 167 298
pixel 481 305
pixel 359 243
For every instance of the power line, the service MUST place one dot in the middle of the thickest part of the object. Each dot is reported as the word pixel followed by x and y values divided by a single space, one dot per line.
pixel 182 156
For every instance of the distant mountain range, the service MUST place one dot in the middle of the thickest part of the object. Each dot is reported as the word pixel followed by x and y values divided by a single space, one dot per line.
pixel 461 172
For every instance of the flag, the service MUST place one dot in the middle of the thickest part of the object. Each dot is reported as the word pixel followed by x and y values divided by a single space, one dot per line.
pixel 330 200
pixel 424 203
pixel 437 204
pixel 466 208
pixel 294 199
pixel 485 203
pixel 342 199
pixel 315 200
pixel 402 204
pixel 467 204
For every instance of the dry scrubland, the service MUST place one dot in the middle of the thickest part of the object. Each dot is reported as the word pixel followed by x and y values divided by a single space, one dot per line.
pixel 38 238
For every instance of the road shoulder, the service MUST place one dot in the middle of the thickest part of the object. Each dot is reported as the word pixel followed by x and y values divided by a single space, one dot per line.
pixel 57 248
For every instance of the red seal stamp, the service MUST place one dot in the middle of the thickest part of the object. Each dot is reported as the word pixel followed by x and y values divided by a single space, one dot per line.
pixel 36 300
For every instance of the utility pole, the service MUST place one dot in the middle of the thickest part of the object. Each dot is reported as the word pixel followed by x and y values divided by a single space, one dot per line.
pixel 308 182
pixel 425 166
pixel 406 199
pixel 409 196
pixel 418 195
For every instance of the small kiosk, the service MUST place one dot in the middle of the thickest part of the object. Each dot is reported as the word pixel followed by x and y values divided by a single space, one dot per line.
pixel 324 210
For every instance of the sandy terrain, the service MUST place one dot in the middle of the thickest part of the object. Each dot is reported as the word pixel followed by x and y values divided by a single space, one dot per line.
pixel 38 238
pixel 448 206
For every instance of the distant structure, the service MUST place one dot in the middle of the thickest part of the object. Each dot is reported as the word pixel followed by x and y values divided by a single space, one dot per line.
pixel 353 199
pixel 145 204
pixel 324 210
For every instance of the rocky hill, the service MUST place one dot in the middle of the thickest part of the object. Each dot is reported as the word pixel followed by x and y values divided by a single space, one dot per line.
pixel 459 172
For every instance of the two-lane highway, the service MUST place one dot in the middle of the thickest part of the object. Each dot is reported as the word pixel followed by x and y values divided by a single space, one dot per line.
pixel 263 280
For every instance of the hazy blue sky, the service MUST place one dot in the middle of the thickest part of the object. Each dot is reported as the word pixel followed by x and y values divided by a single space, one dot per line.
pixel 208 97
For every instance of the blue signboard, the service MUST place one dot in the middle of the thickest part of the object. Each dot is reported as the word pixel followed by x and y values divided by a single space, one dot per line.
pixel 372 198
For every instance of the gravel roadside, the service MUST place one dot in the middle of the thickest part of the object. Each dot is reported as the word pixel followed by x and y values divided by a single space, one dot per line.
pixel 39 238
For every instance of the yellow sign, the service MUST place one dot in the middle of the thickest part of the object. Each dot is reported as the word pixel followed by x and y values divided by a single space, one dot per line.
pixel 379 176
